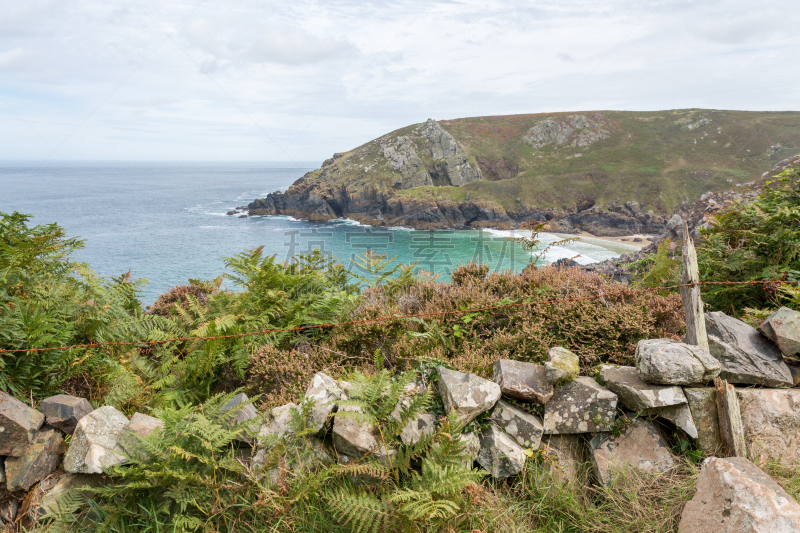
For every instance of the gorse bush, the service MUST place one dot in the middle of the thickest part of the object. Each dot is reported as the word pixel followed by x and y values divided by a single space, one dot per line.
pixel 759 241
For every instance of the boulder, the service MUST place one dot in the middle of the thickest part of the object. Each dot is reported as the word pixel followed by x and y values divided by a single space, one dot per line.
pixel 18 425
pixel 468 395
pixel 639 446
pixel 580 406
pixel 735 496
pixel 523 381
pixel 278 420
pixel 240 411
pixel 783 328
pixel 325 392
pixel 63 411
pixel 39 461
pixel 666 362
pixel 354 440
pixel 636 394
pixel 49 502
pixel 703 405
pixel 771 423
pixel 747 357
pixel 139 426
pixel 562 365
pixel 680 415
pixel 95 443
pixel 565 454
pixel 525 428
pixel 500 455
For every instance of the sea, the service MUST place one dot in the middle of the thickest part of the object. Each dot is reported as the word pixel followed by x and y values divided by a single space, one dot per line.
pixel 167 222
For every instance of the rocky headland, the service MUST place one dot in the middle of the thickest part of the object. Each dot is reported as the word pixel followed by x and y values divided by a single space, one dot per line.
pixel 606 173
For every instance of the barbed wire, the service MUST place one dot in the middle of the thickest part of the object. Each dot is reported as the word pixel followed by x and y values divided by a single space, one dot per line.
pixel 625 292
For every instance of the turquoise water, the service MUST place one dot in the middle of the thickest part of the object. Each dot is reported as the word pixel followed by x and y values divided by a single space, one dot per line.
pixel 166 222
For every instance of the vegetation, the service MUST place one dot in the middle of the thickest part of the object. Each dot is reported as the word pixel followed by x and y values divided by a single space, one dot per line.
pixel 195 474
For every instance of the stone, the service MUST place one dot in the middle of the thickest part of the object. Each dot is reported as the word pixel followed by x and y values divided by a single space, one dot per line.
pixel 680 415
pixel 2 470
pixel 63 411
pixel 466 394
pixel 39 461
pixel 580 406
pixel 747 357
pixel 565 454
pixel 18 425
pixel 95 443
pixel 325 392
pixel 735 496
pixel 795 371
pixel 562 366
pixel 636 394
pixel 783 328
pixel 703 405
pixel 422 424
pixel 238 411
pixel 356 440
pixel 278 420
pixel 140 426
pixel 639 446
pixel 666 362
pixel 500 455
pixel 65 484
pixel 523 381
pixel 525 428
pixel 771 423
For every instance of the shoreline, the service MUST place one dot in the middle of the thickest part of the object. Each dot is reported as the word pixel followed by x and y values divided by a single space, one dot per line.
pixel 627 240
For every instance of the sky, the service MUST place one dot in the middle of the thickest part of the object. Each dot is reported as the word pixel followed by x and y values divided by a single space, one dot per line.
pixel 282 82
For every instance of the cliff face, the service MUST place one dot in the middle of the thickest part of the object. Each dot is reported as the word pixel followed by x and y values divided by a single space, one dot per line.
pixel 609 173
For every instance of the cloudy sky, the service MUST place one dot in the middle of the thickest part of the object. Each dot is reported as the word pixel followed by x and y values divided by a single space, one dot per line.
pixel 290 81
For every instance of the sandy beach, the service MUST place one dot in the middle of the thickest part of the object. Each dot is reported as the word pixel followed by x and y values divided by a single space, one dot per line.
pixel 630 240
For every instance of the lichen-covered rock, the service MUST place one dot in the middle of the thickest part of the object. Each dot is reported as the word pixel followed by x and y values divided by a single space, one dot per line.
pixel 39 461
pixel 523 381
pixel 565 454
pixel 354 440
pixel 63 411
pixel 95 443
pixel 783 328
pixel 747 357
pixel 500 455
pixel 666 362
pixel 680 415
pixel 636 394
pixel 771 422
pixel 562 365
pixel 325 392
pixel 240 412
pixel 523 427
pixel 735 496
pixel 141 425
pixel 580 406
pixel 18 425
pixel 278 420
pixel 466 394
pixel 703 405
pixel 639 446
pixel 422 424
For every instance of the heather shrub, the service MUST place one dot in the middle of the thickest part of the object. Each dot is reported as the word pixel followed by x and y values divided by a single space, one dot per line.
pixel 180 295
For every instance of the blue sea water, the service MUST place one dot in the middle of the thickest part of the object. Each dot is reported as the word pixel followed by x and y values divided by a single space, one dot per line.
pixel 166 221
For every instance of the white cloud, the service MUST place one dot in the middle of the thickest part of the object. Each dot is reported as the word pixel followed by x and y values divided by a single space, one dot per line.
pixel 328 76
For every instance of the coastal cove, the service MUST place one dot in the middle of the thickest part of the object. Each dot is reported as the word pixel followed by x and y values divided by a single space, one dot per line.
pixel 166 222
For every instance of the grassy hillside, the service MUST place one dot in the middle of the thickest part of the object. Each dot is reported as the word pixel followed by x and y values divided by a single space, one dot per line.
pixel 658 159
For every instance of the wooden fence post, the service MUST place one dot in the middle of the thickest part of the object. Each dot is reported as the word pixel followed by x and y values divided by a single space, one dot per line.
pixel 692 304
pixel 730 419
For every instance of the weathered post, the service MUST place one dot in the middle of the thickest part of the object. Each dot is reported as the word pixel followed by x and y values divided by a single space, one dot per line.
pixel 730 419
pixel 692 304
